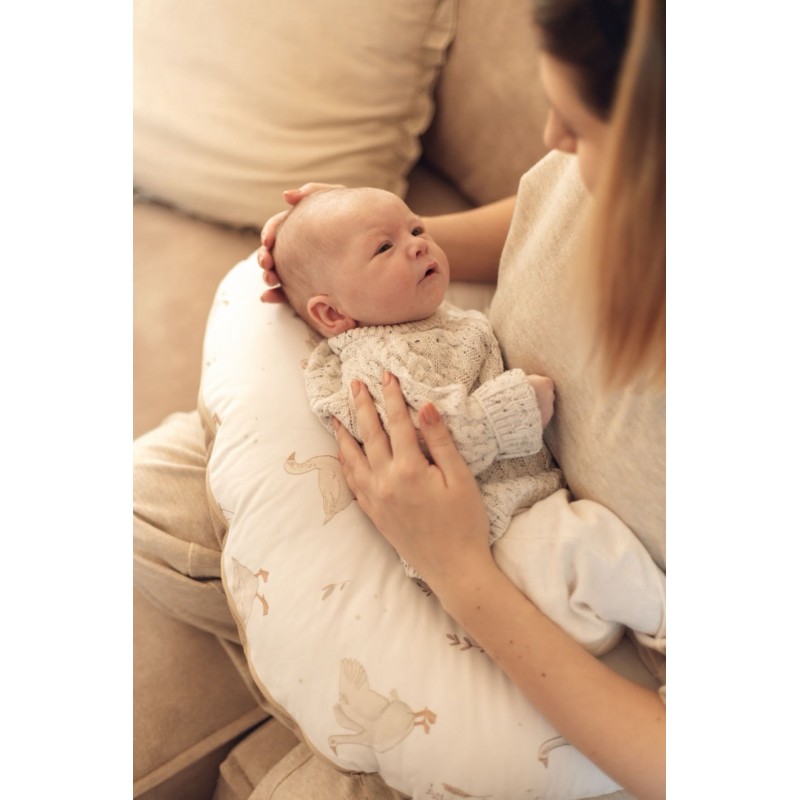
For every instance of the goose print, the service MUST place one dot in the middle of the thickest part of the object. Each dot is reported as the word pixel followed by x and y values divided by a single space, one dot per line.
pixel 246 587
pixel 547 747
pixel 333 488
pixel 376 721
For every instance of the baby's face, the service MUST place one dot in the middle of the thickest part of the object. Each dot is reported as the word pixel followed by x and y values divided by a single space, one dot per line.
pixel 390 270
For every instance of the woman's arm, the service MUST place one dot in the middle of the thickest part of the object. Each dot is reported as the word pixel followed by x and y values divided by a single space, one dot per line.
pixel 617 724
pixel 474 239
pixel 434 517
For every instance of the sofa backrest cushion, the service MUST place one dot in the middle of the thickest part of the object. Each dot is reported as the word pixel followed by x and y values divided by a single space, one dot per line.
pixel 490 105
pixel 234 102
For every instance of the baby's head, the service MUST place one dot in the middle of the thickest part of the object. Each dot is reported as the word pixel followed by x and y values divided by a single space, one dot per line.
pixel 350 258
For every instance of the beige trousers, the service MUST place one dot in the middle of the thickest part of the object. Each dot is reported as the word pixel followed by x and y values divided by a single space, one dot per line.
pixel 201 727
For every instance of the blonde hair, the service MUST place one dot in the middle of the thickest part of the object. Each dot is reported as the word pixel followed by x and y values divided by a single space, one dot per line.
pixel 626 260
pixel 618 50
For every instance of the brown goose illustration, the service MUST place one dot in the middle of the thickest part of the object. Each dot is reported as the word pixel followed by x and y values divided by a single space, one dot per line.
pixel 379 722
pixel 547 747
pixel 246 587
pixel 336 494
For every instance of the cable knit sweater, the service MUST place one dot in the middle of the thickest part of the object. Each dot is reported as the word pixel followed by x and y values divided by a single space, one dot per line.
pixel 452 359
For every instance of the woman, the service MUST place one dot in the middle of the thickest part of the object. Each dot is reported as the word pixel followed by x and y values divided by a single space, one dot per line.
pixel 602 67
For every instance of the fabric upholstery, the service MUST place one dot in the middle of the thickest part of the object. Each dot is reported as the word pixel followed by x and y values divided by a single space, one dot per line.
pixel 252 759
pixel 178 263
pixel 178 742
pixel 230 109
pixel 491 77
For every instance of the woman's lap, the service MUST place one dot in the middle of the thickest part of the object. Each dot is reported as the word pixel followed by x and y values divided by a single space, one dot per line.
pixel 176 542
pixel 177 547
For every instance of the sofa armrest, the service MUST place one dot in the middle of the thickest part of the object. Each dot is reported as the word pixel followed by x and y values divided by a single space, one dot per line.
pixel 178 744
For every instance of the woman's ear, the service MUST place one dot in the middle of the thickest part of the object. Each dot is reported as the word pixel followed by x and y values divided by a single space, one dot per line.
pixel 328 320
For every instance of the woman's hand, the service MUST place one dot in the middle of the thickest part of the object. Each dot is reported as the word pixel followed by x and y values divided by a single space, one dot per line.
pixel 264 256
pixel 431 513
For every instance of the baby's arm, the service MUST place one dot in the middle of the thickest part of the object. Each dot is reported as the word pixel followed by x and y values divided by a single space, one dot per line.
pixel 500 419
pixel 503 418
pixel 328 397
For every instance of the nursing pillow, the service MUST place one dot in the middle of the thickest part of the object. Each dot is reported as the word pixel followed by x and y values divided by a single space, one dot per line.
pixel 376 675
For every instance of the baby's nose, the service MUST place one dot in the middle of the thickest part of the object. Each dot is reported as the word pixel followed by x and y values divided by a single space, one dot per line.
pixel 419 246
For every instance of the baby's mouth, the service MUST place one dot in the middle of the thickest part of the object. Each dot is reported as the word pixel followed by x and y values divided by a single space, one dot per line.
pixel 431 269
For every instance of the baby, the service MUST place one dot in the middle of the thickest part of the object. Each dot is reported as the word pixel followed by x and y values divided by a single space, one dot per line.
pixel 359 267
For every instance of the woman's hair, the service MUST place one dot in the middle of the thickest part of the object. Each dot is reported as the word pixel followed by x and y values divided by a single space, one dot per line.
pixel 618 49
pixel 591 38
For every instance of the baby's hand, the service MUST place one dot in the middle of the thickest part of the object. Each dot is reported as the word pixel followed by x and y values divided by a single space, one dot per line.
pixel 545 392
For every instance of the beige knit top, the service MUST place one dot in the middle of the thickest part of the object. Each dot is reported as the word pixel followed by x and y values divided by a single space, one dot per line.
pixel 451 359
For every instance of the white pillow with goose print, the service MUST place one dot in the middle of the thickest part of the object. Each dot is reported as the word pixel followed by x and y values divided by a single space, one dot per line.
pixel 375 674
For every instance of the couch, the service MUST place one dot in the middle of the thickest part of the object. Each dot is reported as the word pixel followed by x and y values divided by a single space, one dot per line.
pixel 216 107
pixel 485 131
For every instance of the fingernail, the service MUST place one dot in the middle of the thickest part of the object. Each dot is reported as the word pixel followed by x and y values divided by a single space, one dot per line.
pixel 429 414
pixel 355 388
pixel 387 378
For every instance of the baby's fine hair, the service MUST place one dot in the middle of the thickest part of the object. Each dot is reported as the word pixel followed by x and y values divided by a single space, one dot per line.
pixel 302 252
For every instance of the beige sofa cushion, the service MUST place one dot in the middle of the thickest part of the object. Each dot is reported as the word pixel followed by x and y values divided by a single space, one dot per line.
pixel 252 772
pixel 230 109
pixel 490 106
pixel 253 758
pixel 178 263
pixel 178 744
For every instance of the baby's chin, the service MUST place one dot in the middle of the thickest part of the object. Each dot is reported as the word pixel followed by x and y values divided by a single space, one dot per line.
pixel 437 284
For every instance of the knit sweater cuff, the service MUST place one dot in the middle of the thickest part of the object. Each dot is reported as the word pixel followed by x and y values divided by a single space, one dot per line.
pixel 513 414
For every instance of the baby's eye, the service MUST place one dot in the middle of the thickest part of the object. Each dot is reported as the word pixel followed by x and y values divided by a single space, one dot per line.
pixel 383 248
pixel 418 231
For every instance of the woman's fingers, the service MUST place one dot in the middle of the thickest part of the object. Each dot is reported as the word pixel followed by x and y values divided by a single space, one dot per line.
pixel 264 258
pixel 350 452
pixel 376 444
pixel 294 196
pixel 402 443
pixel 440 445
pixel 264 254
pixel 274 295
pixel 349 448
pixel 402 434
pixel 270 228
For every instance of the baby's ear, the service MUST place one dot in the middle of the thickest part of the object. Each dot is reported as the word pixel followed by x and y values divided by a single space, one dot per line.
pixel 328 320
